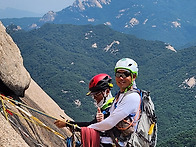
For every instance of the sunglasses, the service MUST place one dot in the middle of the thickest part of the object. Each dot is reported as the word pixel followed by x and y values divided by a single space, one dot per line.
pixel 95 94
pixel 122 74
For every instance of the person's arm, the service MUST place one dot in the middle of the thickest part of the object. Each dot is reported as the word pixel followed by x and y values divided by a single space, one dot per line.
pixel 83 124
pixel 109 122
pixel 68 123
pixel 128 105
pixel 97 119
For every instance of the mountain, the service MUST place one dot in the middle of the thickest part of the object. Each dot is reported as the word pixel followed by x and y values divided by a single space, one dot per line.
pixel 26 23
pixel 169 21
pixel 16 13
pixel 172 22
pixel 192 43
pixel 63 58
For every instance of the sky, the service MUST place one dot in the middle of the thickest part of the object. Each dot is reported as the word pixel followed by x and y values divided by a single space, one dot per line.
pixel 36 6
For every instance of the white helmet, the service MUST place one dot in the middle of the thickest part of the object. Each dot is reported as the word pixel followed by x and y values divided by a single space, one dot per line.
pixel 128 64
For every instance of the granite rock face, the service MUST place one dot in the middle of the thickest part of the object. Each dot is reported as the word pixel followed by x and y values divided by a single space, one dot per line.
pixel 18 128
pixel 12 71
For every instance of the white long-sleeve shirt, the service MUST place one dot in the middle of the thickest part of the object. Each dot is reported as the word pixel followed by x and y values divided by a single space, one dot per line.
pixel 126 104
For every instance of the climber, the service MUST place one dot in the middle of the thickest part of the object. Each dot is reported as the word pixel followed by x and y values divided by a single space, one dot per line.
pixel 126 103
pixel 100 90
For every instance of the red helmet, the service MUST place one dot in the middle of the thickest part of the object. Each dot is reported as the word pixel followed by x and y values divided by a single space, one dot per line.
pixel 100 82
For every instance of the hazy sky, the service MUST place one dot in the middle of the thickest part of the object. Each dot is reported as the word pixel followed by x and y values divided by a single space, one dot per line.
pixel 37 6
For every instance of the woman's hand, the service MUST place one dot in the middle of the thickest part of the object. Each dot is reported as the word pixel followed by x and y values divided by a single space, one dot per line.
pixel 60 123
pixel 100 115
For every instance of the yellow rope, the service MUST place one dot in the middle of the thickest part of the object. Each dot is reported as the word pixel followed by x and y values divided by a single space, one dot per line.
pixel 34 119
pixel 48 128
pixel 21 116
pixel 4 110
pixel 8 99
pixel 38 122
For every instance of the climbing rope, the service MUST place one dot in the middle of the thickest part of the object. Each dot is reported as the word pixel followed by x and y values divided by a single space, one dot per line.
pixel 10 112
pixel 21 130
pixel 33 119
pixel 35 110
pixel 4 110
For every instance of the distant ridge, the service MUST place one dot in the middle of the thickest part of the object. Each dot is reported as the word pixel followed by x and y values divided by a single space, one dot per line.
pixel 16 13
pixel 172 22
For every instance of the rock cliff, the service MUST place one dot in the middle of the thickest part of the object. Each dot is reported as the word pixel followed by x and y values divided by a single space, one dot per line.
pixel 15 81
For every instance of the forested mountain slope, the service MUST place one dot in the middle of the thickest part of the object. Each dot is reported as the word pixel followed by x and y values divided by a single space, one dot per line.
pixel 63 58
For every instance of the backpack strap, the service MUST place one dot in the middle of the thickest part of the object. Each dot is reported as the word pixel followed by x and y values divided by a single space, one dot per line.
pixel 113 138
pixel 132 123
pixel 137 115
